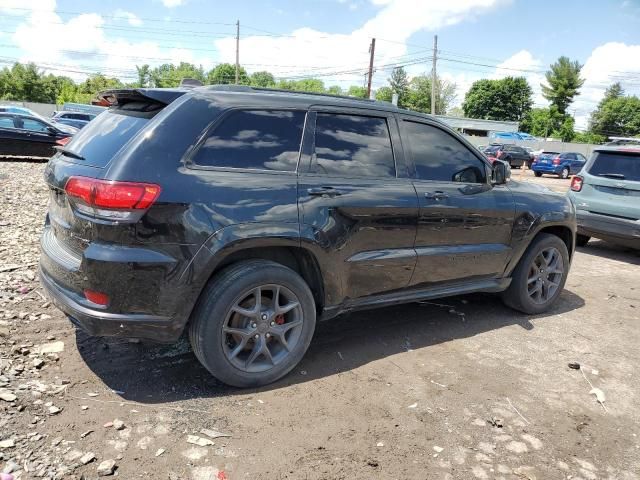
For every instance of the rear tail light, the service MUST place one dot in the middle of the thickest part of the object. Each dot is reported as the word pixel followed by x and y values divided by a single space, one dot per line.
pixel 63 141
pixel 98 298
pixel 556 161
pixel 576 183
pixel 111 199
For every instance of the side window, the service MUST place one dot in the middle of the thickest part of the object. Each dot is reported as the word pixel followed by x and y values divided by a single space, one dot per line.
pixel 33 125
pixel 352 146
pixel 6 122
pixel 260 139
pixel 439 156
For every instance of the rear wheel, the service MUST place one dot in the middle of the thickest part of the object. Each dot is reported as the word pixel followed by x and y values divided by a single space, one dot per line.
pixel 564 174
pixel 253 323
pixel 537 174
pixel 582 240
pixel 540 275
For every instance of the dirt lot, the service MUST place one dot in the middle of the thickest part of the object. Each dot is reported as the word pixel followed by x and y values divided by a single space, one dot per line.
pixel 463 388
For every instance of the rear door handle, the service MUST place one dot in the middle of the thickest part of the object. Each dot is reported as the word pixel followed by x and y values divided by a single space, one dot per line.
pixel 324 192
pixel 437 195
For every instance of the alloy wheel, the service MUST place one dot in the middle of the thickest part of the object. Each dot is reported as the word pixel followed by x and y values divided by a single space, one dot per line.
pixel 262 327
pixel 545 275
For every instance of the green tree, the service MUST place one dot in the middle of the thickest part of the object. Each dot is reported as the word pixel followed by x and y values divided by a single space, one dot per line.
pixel 356 91
pixel 335 90
pixel 563 83
pixel 617 114
pixel 384 94
pixel 418 96
pixel 617 117
pixel 399 83
pixel 311 85
pixel 144 75
pixel 589 137
pixel 225 73
pixel 507 99
pixel 260 79
pixel 169 75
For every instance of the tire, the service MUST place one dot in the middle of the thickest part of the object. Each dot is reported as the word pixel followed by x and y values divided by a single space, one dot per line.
pixel 518 296
pixel 564 174
pixel 215 316
pixel 582 240
pixel 537 174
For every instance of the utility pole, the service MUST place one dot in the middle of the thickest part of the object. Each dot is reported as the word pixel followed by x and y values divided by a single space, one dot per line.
pixel 237 50
pixel 372 50
pixel 433 75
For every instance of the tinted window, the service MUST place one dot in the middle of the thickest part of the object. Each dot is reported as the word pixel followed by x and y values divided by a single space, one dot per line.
pixel 99 141
pixel 492 149
pixel 616 165
pixel 262 139
pixel 352 146
pixel 439 156
pixel 6 122
pixel 33 125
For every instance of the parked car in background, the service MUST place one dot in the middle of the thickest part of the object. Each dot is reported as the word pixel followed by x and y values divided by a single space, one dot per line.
pixel 561 164
pixel 75 119
pixel 606 194
pixel 29 136
pixel 20 110
pixel 514 155
pixel 250 213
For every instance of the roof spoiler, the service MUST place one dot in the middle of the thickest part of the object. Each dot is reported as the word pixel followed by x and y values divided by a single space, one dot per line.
pixel 165 96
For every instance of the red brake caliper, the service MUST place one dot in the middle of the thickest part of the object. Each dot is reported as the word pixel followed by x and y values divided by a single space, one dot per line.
pixel 279 319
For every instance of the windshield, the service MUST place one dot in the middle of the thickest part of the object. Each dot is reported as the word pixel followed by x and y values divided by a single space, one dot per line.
pixel 616 165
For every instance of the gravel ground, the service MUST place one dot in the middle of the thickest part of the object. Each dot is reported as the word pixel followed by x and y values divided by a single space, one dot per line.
pixel 460 388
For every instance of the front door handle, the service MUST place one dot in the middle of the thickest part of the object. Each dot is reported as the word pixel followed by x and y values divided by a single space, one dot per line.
pixel 437 195
pixel 324 192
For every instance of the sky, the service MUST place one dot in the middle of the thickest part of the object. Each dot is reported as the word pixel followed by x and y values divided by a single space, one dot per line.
pixel 329 39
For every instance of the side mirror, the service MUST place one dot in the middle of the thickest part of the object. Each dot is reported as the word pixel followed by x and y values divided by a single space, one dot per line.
pixel 499 173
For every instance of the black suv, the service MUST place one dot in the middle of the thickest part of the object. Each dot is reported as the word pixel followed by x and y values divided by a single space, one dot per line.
pixel 243 215
pixel 512 154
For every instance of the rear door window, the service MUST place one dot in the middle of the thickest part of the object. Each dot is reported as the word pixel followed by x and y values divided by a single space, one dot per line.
pixel 352 146
pixel 254 139
pixel 616 165
pixel 6 122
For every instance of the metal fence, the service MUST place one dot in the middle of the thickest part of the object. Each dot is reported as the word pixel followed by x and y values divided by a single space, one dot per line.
pixel 44 109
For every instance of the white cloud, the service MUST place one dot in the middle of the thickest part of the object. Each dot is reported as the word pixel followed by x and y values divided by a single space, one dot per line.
pixel 173 3
pixel 131 18
pixel 97 52
pixel 307 51
pixel 607 64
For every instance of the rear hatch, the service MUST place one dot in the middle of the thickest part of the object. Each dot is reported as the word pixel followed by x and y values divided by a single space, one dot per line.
pixel 611 184
pixel 546 158
pixel 72 221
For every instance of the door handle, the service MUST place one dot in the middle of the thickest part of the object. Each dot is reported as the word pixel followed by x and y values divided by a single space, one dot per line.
pixel 324 192
pixel 437 195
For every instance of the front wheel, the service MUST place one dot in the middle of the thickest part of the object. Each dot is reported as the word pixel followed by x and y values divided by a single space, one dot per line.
pixel 540 275
pixel 564 174
pixel 253 323
pixel 537 174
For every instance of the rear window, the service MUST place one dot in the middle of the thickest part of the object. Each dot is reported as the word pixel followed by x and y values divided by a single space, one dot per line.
pixel 100 140
pixel 622 166
pixel 492 149
pixel 254 139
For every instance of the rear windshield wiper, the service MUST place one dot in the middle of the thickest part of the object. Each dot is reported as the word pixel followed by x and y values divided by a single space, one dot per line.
pixel 612 175
pixel 69 153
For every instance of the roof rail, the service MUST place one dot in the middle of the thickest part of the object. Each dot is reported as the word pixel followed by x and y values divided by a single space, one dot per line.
pixel 247 88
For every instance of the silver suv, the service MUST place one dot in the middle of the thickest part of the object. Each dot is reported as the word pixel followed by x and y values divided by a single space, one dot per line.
pixel 606 194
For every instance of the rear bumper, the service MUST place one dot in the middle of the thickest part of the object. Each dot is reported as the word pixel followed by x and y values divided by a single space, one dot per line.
pixel 100 323
pixel 617 230
pixel 553 169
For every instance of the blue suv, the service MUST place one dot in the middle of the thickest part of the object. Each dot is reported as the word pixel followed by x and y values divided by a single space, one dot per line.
pixel 560 164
